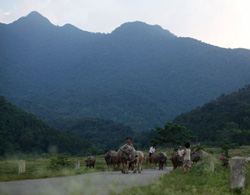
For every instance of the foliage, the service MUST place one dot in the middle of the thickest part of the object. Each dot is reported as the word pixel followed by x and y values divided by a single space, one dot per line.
pixel 22 132
pixel 139 74
pixel 143 140
pixel 172 134
pixel 59 162
pixel 225 149
pixel 225 119
pixel 198 147
pixel 102 135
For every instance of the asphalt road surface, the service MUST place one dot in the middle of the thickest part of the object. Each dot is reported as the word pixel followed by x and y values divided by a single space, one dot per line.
pixel 102 183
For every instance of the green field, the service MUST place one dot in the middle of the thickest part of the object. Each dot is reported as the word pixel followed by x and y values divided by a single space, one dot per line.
pixel 39 168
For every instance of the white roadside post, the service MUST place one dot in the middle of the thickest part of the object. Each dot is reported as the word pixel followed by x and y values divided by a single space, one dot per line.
pixel 77 165
pixel 21 166
pixel 237 173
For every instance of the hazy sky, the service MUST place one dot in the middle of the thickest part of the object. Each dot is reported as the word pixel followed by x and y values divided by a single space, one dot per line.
pixel 225 23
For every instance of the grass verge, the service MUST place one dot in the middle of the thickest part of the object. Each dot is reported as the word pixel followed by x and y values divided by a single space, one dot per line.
pixel 205 178
pixel 39 169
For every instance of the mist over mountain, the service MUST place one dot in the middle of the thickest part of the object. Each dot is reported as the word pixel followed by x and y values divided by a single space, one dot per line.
pixel 140 74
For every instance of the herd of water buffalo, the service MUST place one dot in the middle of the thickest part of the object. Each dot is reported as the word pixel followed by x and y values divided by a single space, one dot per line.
pixel 132 159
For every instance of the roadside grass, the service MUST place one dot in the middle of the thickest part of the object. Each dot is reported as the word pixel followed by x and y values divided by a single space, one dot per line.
pixel 241 151
pixel 205 178
pixel 39 168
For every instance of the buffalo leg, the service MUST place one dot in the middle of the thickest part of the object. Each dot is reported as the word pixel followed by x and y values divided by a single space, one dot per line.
pixel 126 167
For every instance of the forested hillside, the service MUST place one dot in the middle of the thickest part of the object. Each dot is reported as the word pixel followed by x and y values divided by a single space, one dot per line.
pixel 140 75
pixel 103 134
pixel 225 119
pixel 23 132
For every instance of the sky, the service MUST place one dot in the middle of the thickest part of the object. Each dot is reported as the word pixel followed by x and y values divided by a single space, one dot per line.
pixel 224 23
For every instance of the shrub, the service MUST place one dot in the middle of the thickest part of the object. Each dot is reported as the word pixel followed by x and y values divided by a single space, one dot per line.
pixel 59 162
pixel 208 164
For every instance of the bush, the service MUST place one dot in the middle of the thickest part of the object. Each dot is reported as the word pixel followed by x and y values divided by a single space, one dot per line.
pixel 208 164
pixel 59 162
pixel 198 147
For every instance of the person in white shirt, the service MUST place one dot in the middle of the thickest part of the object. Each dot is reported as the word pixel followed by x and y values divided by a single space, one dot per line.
pixel 151 151
pixel 180 151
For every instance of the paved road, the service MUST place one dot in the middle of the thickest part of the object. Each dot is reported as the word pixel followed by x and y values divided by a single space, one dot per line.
pixel 102 183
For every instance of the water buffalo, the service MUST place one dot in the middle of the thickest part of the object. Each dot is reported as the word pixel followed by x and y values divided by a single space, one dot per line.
pixel 126 155
pixel 198 155
pixel 111 158
pixel 158 158
pixel 90 162
pixel 153 160
pixel 136 165
pixel 162 160
pixel 176 160
pixel 195 157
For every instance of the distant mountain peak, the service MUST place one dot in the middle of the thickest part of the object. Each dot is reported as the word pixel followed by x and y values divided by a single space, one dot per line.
pixel 34 14
pixel 139 27
pixel 35 18
pixel 70 27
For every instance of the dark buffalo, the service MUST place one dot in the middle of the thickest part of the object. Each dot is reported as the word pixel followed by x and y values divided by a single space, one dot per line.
pixel 111 158
pixel 162 160
pixel 176 160
pixel 90 162
pixel 157 158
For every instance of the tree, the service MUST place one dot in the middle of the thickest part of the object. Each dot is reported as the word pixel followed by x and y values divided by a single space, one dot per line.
pixel 172 134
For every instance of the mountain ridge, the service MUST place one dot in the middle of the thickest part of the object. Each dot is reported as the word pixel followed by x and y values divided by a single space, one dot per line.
pixel 35 16
pixel 142 80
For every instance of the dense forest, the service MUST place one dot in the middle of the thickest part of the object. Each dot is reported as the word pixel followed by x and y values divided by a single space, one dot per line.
pixel 226 119
pixel 23 132
pixel 103 134
pixel 140 74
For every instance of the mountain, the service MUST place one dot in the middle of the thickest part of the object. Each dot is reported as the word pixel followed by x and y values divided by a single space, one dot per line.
pixel 23 132
pixel 226 118
pixel 103 134
pixel 140 74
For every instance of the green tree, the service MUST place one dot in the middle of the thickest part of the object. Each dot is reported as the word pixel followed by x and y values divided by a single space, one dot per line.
pixel 172 134
pixel 59 162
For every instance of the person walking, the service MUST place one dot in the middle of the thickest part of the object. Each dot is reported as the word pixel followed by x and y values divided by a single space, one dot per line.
pixel 187 158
